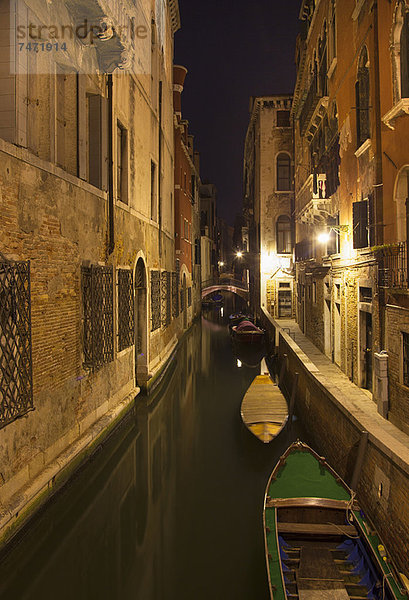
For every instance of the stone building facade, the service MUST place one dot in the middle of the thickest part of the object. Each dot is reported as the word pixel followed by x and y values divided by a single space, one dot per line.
pixel 268 204
pixel 187 184
pixel 88 293
pixel 208 231
pixel 350 120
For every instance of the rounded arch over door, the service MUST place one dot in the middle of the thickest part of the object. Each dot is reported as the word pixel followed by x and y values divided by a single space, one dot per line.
pixel 141 322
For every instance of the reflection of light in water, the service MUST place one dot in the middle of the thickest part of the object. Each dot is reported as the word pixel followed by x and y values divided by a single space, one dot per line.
pixel 221 311
pixel 239 363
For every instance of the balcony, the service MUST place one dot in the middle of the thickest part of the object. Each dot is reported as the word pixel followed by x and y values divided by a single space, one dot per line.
pixel 304 250
pixel 312 110
pixel 315 206
pixel 393 266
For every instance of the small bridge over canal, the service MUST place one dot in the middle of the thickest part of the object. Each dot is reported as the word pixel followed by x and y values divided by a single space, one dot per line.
pixel 226 284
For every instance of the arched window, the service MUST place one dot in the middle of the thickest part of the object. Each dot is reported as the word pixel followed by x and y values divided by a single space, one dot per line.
pixel 283 172
pixel 362 99
pixel 404 58
pixel 284 237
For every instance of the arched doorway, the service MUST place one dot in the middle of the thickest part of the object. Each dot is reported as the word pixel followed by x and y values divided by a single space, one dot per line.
pixel 184 286
pixel 141 359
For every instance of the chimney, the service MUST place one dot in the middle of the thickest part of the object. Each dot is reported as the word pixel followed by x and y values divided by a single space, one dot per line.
pixel 179 75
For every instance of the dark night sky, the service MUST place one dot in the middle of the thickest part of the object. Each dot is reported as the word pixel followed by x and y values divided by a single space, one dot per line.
pixel 233 49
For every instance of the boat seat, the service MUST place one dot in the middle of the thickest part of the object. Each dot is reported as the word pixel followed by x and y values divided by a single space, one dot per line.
pixel 316 529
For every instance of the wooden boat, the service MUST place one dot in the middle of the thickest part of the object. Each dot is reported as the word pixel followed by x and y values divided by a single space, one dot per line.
pixel 215 300
pixel 248 332
pixel 264 409
pixel 318 543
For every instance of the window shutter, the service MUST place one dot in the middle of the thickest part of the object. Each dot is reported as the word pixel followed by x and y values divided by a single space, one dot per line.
pixel 371 220
pixel 404 58
pixel 360 224
pixel 95 140
pixel 358 115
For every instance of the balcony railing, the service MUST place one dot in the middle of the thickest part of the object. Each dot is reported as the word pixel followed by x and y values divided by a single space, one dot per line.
pixel 393 266
pixel 304 250
pixel 309 106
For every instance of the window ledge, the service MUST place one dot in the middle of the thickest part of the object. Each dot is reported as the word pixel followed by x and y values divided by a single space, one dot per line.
pixel 400 109
pixel 363 148
pixel 332 67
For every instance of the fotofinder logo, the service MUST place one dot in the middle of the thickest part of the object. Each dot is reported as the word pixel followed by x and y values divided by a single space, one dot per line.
pixel 44 34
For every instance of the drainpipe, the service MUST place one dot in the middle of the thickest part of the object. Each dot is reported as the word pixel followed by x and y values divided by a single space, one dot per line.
pixel 160 170
pixel 378 189
pixel 111 230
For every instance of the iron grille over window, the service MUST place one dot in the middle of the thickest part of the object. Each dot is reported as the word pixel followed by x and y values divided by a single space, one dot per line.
pixel 405 359
pixel 98 301
pixel 16 383
pixel 182 299
pixel 155 300
pixel 166 298
pixel 189 296
pixel 126 321
pixel 175 295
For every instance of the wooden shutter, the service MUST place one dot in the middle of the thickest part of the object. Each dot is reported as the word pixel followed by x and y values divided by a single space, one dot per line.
pixel 95 140
pixel 404 58
pixel 360 224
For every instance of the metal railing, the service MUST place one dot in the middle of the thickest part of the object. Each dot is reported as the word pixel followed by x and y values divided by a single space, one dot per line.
pixel 393 266
pixel 309 105
pixel 304 250
pixel 239 283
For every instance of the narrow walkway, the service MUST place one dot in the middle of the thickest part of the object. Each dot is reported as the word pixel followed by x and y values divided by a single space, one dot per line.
pixel 356 401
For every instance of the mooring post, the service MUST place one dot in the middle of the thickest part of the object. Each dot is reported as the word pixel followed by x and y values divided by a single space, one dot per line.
pixel 359 459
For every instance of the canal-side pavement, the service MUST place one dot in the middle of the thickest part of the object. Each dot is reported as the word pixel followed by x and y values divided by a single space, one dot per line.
pixel 356 401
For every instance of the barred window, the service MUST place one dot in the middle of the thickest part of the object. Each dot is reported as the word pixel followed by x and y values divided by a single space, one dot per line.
pixel 182 300
pixel 155 300
pixel 16 382
pixel 98 303
pixel 126 321
pixel 189 296
pixel 405 340
pixel 175 295
pixel 166 298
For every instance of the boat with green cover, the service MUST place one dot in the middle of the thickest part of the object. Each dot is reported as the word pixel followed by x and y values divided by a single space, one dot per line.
pixel 319 545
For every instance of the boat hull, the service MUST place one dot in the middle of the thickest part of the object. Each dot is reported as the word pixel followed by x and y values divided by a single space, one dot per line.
pixel 312 550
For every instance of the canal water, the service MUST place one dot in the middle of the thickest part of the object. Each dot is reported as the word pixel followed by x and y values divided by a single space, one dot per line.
pixel 170 508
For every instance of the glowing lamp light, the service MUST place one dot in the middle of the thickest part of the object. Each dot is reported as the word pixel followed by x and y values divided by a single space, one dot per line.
pixel 239 363
pixel 221 263
pixel 239 254
pixel 323 237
